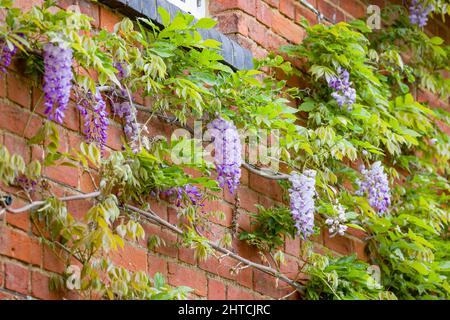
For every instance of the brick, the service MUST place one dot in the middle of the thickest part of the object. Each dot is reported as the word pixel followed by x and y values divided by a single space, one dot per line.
pixel 2 274
pixel 268 285
pixel 273 3
pixel 219 6
pixel 287 29
pixel 63 174
pixel 14 119
pixel 354 8
pixel 292 246
pixel 359 247
pixel 220 206
pixel 287 7
pixel 16 278
pixel 337 243
pixel 244 221
pixel 194 278
pixel 187 255
pixel 40 287
pixel 52 262
pixel 130 257
pixel 232 22
pixel 21 221
pixel 17 245
pixel 72 117
pixel 2 87
pixel 257 32
pixel 156 264
pixel 89 183
pixel 108 19
pixel 264 13
pixel 79 208
pixel 216 290
pixel 248 199
pixel 340 15
pixel 170 248
pixel 114 137
pixel 266 186
pixel 236 293
pixel 19 90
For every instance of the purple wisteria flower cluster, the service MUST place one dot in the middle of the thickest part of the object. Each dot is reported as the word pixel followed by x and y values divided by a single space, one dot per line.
pixel 337 224
pixel 418 14
pixel 132 128
pixel 57 80
pixel 192 193
pixel 344 93
pixel 122 69
pixel 27 184
pixel 375 184
pixel 6 55
pixel 302 195
pixel 227 152
pixel 96 123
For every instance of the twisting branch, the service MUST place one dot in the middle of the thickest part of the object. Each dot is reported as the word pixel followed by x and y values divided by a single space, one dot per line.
pixel 36 204
pixel 155 218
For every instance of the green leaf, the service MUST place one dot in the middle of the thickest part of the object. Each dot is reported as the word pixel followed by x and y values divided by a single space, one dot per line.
pixel 165 16
pixel 205 23
pixel 436 41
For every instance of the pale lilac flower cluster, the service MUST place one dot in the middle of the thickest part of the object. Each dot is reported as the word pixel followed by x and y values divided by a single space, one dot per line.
pixel 131 128
pixel 337 224
pixel 375 184
pixel 57 80
pixel 96 123
pixel 302 195
pixel 192 193
pixel 344 93
pixel 227 152
pixel 418 14
pixel 6 55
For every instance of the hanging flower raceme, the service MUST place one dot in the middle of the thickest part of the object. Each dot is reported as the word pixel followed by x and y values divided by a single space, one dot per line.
pixel 6 55
pixel 132 128
pixel 337 224
pixel 227 152
pixel 96 123
pixel 192 193
pixel 302 195
pixel 418 14
pixel 344 93
pixel 375 184
pixel 57 80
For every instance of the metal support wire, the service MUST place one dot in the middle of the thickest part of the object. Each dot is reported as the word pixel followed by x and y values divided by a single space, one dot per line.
pixel 319 14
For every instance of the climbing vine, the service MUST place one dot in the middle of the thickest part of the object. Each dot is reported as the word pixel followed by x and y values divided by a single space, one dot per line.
pixel 357 124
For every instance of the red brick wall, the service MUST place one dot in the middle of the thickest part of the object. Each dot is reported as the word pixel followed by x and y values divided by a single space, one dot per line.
pixel 264 25
pixel 26 264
